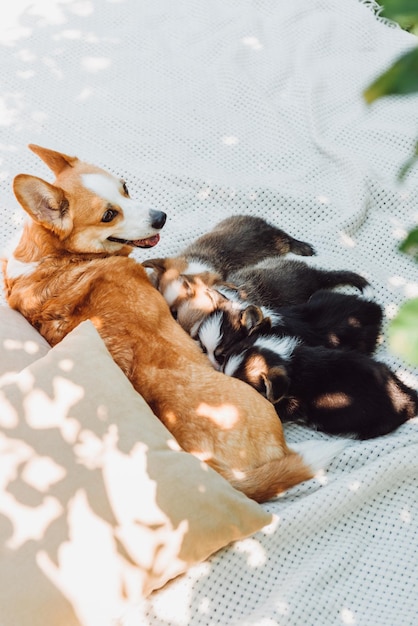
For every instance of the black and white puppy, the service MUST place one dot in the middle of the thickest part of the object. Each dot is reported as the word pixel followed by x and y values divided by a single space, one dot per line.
pixel 329 319
pixel 340 392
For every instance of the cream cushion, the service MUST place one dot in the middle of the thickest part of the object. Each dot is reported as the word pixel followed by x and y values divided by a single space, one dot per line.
pixel 98 504
pixel 20 343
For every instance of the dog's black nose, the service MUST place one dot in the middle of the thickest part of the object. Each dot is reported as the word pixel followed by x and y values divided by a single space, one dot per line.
pixel 158 218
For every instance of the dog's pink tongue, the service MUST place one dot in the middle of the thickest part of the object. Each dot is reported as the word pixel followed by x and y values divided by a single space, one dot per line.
pixel 147 243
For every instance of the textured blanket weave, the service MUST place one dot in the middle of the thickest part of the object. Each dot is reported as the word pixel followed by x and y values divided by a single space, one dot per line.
pixel 209 109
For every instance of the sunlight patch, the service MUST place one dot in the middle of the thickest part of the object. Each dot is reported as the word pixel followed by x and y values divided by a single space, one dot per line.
pixel 29 522
pixel 41 472
pixel 225 416
pixel 9 417
pixel 321 477
pixel 66 365
pixel 346 240
pixel 42 411
pixel 230 140
pixel 347 617
pixel 271 528
pixel 323 199
pixel 30 347
pixel 256 554
pixel 88 568
pixel 252 42
pixel 95 64
pixel 173 602
pixel 405 515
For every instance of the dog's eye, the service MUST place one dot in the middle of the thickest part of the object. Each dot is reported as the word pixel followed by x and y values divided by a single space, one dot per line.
pixel 109 215
pixel 125 188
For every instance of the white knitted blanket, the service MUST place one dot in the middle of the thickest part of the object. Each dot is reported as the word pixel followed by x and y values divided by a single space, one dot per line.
pixel 209 109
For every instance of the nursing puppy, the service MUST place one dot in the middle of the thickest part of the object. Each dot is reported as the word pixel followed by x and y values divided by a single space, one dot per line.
pixel 72 264
pixel 242 240
pixel 329 319
pixel 335 391
pixel 235 242
pixel 273 283
pixel 278 282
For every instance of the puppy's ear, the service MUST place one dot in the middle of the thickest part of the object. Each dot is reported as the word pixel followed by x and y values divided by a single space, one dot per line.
pixel 276 383
pixel 159 265
pixel 251 317
pixel 156 268
pixel 188 289
pixel 56 161
pixel 45 203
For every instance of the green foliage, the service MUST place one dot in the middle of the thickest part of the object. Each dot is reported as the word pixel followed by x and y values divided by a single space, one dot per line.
pixel 410 244
pixel 403 332
pixel 401 79
pixel 404 12
pixel 409 163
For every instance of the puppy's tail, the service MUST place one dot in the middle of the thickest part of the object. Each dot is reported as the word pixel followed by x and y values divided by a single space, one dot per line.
pixel 273 478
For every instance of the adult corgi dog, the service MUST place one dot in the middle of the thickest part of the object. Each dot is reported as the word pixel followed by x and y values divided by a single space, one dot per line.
pixel 72 264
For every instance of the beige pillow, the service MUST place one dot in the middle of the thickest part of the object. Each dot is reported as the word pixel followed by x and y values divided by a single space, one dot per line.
pixel 98 505
pixel 20 343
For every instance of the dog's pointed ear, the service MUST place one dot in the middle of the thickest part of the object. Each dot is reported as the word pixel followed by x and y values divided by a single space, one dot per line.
pixel 251 318
pixel 45 203
pixel 56 161
pixel 276 383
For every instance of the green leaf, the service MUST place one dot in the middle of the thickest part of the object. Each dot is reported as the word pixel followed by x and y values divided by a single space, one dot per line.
pixel 403 332
pixel 410 244
pixel 400 79
pixel 409 163
pixel 405 12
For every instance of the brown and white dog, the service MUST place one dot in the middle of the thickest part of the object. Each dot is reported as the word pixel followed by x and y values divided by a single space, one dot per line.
pixel 72 264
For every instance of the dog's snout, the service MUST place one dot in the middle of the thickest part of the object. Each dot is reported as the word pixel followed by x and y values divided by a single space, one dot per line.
pixel 158 218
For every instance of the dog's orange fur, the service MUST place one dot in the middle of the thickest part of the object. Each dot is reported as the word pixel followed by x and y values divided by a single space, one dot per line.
pixel 218 418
